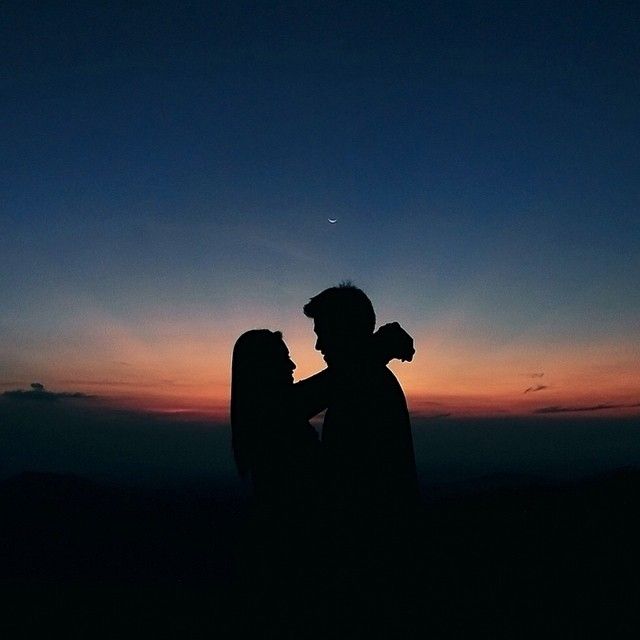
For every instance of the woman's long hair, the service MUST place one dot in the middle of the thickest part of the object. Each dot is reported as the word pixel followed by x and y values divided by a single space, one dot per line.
pixel 251 391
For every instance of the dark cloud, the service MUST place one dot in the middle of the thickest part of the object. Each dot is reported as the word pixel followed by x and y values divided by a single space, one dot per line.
pixel 533 375
pixel 595 407
pixel 40 394
pixel 538 387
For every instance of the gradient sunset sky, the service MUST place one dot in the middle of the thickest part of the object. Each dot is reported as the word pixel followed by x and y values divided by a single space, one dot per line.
pixel 168 171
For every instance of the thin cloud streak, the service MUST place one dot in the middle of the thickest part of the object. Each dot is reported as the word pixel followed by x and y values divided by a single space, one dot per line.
pixel 597 407
pixel 435 416
pixel 141 385
pixel 538 387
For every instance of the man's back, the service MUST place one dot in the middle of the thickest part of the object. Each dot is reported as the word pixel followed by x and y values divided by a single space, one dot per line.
pixel 366 441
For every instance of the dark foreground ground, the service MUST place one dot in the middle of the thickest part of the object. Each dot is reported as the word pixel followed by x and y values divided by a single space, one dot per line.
pixel 502 558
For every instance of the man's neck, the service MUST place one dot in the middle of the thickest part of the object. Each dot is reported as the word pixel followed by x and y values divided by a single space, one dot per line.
pixel 355 355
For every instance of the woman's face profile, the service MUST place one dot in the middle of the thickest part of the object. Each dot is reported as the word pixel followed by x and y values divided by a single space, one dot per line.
pixel 283 365
pixel 261 358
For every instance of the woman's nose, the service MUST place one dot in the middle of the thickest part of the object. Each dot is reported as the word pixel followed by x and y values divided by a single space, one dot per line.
pixel 292 364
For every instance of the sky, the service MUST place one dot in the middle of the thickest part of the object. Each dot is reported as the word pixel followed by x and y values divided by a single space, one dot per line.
pixel 168 172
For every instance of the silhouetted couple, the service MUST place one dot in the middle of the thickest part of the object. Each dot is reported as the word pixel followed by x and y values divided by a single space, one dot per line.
pixel 330 510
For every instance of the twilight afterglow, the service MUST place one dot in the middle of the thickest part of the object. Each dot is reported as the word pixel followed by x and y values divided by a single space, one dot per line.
pixel 167 185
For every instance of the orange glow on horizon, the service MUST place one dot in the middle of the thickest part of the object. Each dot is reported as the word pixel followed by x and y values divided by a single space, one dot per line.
pixel 182 366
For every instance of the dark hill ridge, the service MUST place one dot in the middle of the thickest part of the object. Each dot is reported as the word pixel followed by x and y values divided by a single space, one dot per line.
pixel 516 555
pixel 63 526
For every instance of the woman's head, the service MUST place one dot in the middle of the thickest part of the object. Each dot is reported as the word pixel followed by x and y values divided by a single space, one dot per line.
pixel 261 358
pixel 260 369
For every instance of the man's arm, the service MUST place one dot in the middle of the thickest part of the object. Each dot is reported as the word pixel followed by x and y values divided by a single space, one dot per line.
pixel 311 395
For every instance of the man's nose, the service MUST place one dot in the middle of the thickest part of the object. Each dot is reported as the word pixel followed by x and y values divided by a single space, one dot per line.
pixel 317 347
pixel 292 364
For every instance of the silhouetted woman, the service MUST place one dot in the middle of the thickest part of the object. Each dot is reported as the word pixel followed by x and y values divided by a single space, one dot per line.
pixel 273 443
pixel 277 449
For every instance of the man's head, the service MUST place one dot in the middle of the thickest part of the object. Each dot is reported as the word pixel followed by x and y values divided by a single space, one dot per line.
pixel 344 320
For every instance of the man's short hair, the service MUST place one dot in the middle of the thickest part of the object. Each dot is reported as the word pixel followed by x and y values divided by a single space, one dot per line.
pixel 344 305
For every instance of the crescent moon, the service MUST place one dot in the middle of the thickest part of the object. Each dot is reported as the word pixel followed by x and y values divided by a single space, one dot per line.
pixel 333 220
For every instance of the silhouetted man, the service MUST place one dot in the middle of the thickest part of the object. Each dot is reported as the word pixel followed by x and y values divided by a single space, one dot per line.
pixel 366 438
pixel 369 476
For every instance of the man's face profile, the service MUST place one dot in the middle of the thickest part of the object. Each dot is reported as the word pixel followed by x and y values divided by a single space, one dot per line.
pixel 333 339
pixel 329 339
pixel 321 337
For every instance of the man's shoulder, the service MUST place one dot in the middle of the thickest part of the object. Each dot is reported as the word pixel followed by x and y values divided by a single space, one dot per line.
pixel 372 380
pixel 387 403
pixel 387 376
pixel 386 382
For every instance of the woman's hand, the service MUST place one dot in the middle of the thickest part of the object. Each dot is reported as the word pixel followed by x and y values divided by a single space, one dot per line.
pixel 391 342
